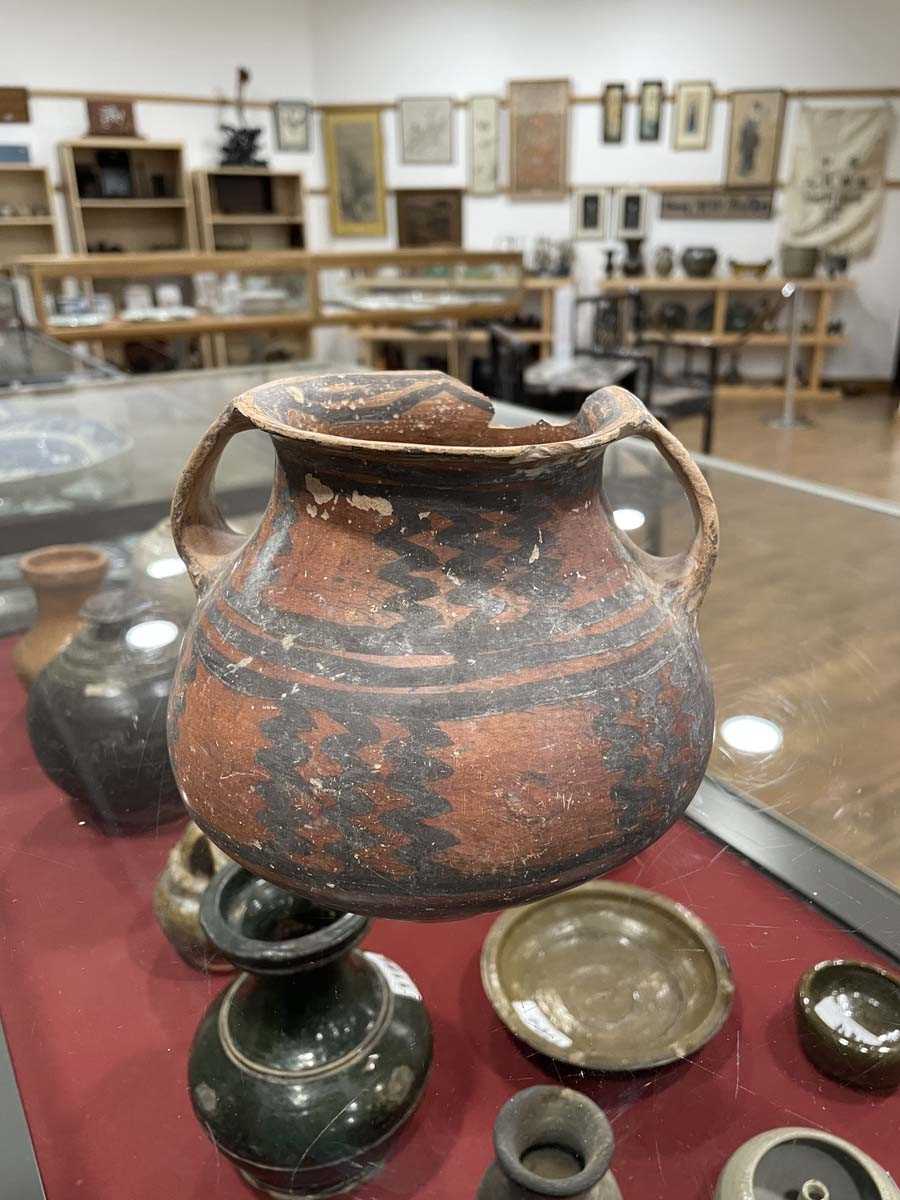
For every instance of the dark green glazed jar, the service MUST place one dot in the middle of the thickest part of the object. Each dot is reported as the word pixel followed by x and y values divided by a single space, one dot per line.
pixel 306 1066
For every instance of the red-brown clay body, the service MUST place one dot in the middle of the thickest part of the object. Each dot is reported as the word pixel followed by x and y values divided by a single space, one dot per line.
pixel 436 680
pixel 62 578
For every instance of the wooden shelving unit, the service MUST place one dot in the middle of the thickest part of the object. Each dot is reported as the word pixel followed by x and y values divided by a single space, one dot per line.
pixel 32 228
pixel 817 341
pixel 129 193
pixel 112 270
pixel 250 208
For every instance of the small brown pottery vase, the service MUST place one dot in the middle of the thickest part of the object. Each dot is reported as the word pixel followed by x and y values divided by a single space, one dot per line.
pixel 192 863
pixel 550 1141
pixel 441 679
pixel 62 578
pixel 96 715
pixel 304 1070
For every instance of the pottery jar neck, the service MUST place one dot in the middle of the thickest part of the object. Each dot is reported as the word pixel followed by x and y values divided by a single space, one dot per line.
pixel 63 577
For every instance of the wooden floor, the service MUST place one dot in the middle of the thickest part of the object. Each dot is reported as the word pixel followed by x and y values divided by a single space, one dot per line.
pixel 854 444
pixel 802 623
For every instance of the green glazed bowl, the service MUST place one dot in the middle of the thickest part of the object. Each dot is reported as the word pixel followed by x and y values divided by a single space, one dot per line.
pixel 848 1016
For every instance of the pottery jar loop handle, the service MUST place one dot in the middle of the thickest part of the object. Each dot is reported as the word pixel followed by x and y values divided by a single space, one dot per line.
pixel 202 536
pixel 685 575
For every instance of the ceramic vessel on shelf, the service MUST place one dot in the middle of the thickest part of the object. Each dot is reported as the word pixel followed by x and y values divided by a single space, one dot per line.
pixel 609 976
pixel 664 261
pixel 799 262
pixel 794 1163
pixel 550 1141
pixel 672 315
pixel 62 578
pixel 191 865
pixel 699 261
pixel 836 265
pixel 96 715
pixel 305 1068
pixel 751 270
pixel 424 588
pixel 848 1016
pixel 633 262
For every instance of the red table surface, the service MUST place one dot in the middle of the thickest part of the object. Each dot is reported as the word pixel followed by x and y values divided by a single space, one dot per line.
pixel 99 1013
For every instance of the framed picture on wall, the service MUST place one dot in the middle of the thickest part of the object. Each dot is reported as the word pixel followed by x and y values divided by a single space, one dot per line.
pixel 293 125
pixel 484 145
pixel 630 218
pixel 355 160
pixel 538 138
pixel 589 215
pixel 429 217
pixel 692 118
pixel 14 105
pixel 426 129
pixel 650 111
pixel 110 118
pixel 612 112
pixel 754 140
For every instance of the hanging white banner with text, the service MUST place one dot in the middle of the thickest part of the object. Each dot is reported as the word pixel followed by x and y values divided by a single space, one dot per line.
pixel 836 190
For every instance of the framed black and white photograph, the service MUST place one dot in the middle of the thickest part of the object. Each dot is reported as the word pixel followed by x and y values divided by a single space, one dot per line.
pixel 612 113
pixel 692 119
pixel 650 111
pixel 293 126
pixel 630 217
pixel 426 129
pixel 589 213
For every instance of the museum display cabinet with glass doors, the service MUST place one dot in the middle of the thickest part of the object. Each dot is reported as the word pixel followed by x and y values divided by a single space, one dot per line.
pixel 785 857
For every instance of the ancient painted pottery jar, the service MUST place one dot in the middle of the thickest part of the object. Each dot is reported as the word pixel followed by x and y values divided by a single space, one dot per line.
pixel 699 261
pixel 191 864
pixel 304 1069
pixel 96 715
pixel 848 1018
pixel 436 680
pixel 550 1141
pixel 62 578
pixel 794 1163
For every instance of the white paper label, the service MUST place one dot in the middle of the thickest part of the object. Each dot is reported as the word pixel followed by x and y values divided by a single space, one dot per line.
pixel 398 980
pixel 537 1021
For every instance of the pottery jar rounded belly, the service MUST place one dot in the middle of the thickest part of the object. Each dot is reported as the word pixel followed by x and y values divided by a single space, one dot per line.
pixel 436 680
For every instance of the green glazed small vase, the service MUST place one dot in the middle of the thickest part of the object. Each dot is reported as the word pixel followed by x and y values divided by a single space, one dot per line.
pixel 550 1141
pixel 303 1069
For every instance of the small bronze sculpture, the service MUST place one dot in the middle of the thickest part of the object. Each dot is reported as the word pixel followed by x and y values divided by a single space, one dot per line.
pixel 240 147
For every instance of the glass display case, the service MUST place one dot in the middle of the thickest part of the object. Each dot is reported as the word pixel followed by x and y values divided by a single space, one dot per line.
pixel 787 856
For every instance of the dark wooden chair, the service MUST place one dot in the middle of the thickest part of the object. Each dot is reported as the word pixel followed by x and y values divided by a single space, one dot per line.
pixel 670 395
pixel 508 358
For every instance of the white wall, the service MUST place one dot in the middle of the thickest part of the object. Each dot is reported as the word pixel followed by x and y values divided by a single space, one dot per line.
pixel 187 47
pixel 381 49
pixel 349 50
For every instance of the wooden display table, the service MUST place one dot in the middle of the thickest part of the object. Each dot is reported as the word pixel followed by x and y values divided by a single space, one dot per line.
pixel 457 340
pixel 818 341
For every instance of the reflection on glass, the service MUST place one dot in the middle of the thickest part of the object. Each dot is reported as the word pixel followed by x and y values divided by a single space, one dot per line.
pixel 628 519
pixel 165 568
pixel 751 735
pixel 151 635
